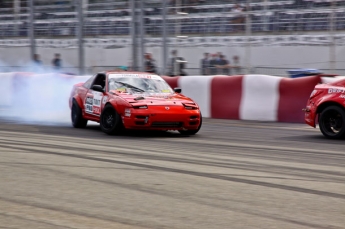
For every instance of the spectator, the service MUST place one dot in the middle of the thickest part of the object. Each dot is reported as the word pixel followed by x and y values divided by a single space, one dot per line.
pixel 177 65
pixel 36 64
pixel 57 62
pixel 236 66
pixel 36 60
pixel 149 63
pixel 223 66
pixel 205 63
pixel 122 69
pixel 213 64
pixel 239 18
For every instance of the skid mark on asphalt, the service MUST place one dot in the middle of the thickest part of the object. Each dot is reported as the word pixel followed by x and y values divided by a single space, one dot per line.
pixel 193 146
pixel 193 173
pixel 234 155
pixel 234 164
pixel 174 195
pixel 55 216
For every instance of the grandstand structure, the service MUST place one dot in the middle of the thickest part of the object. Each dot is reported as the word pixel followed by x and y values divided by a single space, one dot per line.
pixel 205 18
pixel 106 20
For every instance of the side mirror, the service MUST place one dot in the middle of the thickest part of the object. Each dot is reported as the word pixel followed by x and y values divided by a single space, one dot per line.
pixel 177 90
pixel 98 88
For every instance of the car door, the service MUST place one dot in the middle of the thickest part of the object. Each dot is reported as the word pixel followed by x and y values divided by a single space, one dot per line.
pixel 92 101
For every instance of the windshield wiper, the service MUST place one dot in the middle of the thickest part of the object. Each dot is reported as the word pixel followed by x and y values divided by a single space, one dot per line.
pixel 130 86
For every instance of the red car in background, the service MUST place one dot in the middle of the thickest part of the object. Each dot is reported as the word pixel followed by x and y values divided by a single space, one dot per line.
pixel 327 103
pixel 132 100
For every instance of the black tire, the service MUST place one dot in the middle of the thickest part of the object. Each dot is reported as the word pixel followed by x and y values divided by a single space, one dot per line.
pixel 332 122
pixel 110 121
pixel 76 116
pixel 191 132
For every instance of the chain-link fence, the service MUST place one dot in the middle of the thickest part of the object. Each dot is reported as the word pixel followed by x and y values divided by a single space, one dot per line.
pixel 95 33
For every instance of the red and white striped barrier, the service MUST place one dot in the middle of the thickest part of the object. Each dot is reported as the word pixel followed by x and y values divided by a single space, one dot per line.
pixel 331 79
pixel 248 97
pixel 243 97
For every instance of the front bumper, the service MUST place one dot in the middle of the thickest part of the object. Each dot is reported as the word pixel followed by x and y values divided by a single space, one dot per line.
pixel 158 118
pixel 309 115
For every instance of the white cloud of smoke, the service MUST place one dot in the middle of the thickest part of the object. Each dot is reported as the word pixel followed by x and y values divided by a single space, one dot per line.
pixel 36 95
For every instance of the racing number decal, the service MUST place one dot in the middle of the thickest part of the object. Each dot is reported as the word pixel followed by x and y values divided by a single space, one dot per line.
pixel 93 103
pixel 88 104
pixel 97 98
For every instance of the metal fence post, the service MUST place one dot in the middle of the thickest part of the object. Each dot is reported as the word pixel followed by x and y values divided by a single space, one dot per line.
pixel 16 11
pixel 164 44
pixel 142 35
pixel 134 36
pixel 31 28
pixel 248 37
pixel 332 28
pixel 79 6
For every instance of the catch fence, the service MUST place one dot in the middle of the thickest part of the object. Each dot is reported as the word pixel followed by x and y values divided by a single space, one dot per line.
pixel 136 23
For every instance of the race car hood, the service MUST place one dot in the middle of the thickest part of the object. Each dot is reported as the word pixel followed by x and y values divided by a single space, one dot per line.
pixel 156 98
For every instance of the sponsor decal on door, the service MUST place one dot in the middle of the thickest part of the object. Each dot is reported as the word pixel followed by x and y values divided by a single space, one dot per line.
pixel 93 103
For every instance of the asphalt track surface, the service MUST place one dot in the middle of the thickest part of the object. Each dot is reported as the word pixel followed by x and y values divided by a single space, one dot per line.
pixel 233 174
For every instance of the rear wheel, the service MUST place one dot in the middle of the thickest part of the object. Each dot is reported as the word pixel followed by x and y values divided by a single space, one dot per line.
pixel 192 132
pixel 76 116
pixel 110 121
pixel 332 122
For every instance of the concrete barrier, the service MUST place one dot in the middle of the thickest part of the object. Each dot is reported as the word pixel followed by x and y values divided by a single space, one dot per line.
pixel 249 97
pixel 242 97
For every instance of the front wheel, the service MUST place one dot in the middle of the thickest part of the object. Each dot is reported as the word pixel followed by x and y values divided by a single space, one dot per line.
pixel 332 122
pixel 110 121
pixel 191 132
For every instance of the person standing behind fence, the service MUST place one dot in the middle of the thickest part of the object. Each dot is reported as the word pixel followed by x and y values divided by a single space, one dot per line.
pixel 223 66
pixel 57 62
pixel 213 64
pixel 236 66
pixel 36 64
pixel 149 63
pixel 177 65
pixel 238 21
pixel 205 64
pixel 37 60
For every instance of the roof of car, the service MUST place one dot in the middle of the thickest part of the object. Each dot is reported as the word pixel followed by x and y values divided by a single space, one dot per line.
pixel 126 72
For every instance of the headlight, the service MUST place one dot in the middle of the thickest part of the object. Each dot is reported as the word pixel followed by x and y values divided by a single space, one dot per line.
pixel 314 93
pixel 190 106
pixel 140 107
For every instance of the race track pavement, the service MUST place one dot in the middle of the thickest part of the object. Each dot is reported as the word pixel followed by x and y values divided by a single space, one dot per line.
pixel 233 174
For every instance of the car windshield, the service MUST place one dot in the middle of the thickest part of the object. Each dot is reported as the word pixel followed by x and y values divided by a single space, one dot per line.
pixel 138 83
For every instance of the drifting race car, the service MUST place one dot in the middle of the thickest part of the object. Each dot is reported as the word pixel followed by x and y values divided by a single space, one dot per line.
pixel 132 100
pixel 327 102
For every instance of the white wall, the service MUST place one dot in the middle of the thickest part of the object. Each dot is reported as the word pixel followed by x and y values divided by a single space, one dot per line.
pixel 277 56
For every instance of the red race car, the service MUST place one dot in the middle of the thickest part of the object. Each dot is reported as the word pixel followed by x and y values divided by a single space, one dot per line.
pixel 132 100
pixel 327 102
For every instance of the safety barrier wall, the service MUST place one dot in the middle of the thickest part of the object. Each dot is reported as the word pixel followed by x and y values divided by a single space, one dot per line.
pixel 250 97
pixel 242 97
